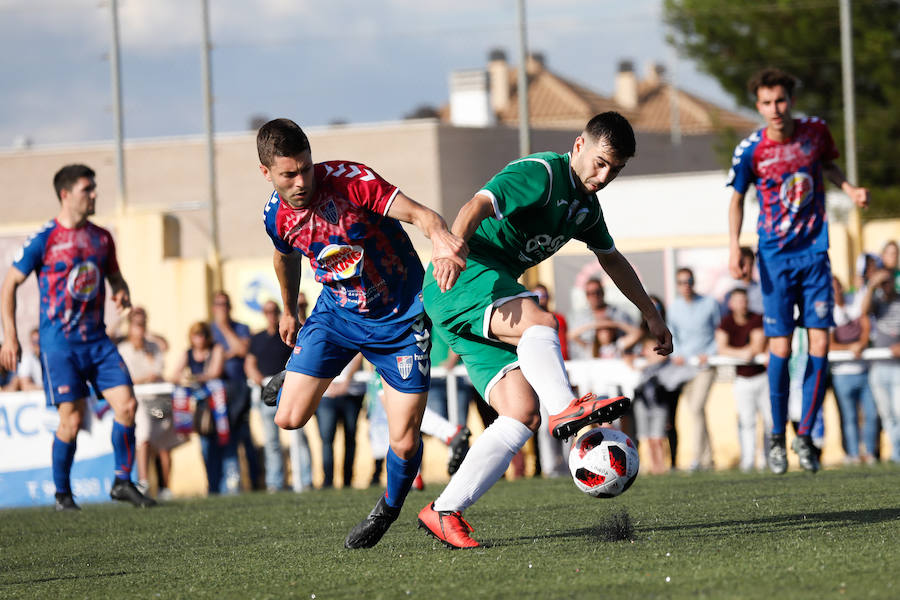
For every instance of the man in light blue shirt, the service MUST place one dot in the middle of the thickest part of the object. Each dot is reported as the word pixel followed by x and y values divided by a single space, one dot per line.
pixel 693 320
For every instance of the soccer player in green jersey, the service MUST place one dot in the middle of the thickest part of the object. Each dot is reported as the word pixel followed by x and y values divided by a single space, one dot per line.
pixel 509 344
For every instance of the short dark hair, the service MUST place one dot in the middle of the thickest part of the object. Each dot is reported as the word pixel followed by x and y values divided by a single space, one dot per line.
pixel 280 137
pixel 687 270
pixel 747 252
pixel 615 130
pixel 68 176
pixel 594 280
pixel 737 290
pixel 769 78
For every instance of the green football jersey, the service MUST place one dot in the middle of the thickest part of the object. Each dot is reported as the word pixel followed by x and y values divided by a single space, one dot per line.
pixel 537 209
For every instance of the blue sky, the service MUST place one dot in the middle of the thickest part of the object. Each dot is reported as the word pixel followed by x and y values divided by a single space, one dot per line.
pixel 310 60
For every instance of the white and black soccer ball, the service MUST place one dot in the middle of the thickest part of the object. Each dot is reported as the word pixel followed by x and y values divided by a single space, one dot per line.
pixel 604 462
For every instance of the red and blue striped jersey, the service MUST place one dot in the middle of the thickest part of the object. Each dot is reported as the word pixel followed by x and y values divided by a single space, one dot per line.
pixel 71 266
pixel 789 185
pixel 364 259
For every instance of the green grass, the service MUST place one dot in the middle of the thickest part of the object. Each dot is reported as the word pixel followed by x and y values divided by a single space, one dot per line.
pixel 713 535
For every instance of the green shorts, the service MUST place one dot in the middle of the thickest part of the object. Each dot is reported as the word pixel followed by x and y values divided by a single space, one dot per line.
pixel 461 317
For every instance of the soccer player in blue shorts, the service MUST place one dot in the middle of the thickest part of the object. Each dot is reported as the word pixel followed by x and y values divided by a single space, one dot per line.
pixel 73 258
pixel 787 161
pixel 346 220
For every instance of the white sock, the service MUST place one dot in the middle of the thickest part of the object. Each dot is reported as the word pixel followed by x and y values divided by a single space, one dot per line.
pixel 541 362
pixel 487 460
pixel 437 426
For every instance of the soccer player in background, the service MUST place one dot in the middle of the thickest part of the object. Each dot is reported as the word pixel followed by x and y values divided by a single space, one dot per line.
pixel 787 161
pixel 509 344
pixel 72 258
pixel 346 220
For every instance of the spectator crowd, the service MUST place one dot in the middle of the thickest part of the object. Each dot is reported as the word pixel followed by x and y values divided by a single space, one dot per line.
pixel 217 381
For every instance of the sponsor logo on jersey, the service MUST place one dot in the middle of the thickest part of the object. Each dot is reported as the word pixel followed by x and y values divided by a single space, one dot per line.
pixel 796 191
pixel 344 261
pixel 329 211
pixel 544 242
pixel 405 365
pixel 84 281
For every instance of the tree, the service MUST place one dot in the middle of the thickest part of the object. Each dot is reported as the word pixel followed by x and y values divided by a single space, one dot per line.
pixel 731 41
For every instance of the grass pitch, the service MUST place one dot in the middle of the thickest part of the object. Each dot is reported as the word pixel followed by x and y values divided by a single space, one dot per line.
pixel 710 535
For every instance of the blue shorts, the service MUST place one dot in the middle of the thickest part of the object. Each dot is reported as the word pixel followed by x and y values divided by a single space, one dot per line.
pixel 399 350
pixel 803 281
pixel 68 370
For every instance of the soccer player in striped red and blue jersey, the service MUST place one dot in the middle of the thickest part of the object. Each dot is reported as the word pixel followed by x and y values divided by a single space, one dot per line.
pixel 346 220
pixel 787 161
pixel 72 259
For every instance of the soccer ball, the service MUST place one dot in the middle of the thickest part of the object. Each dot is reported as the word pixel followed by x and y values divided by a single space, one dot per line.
pixel 604 462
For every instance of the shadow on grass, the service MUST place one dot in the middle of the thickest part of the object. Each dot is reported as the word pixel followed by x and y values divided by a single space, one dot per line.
pixel 774 524
pixel 766 525
pixel 65 577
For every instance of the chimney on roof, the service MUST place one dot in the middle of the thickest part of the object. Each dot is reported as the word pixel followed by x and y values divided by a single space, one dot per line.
pixel 470 104
pixel 498 76
pixel 656 73
pixel 626 91
pixel 535 63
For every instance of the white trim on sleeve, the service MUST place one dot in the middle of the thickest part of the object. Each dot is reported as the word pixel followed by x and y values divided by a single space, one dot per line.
pixel 390 201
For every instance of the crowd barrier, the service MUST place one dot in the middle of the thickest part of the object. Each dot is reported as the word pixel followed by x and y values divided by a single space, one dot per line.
pixel 27 426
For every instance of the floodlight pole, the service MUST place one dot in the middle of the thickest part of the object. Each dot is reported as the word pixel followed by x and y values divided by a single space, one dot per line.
pixel 206 75
pixel 855 222
pixel 115 77
pixel 530 275
pixel 524 135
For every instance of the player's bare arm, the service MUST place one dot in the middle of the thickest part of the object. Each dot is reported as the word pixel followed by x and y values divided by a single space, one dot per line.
pixel 470 216
pixel 121 297
pixel 622 273
pixel 449 250
pixel 835 175
pixel 287 269
pixel 10 351
pixel 735 221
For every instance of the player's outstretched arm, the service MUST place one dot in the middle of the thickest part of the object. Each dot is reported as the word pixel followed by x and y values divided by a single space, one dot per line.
pixel 622 273
pixel 287 269
pixel 449 250
pixel 735 222
pixel 835 175
pixel 10 351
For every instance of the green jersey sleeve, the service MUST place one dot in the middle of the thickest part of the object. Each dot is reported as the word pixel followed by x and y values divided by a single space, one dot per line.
pixel 596 235
pixel 523 183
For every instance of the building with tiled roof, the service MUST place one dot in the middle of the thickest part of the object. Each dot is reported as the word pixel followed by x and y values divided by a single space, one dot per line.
pixel 652 104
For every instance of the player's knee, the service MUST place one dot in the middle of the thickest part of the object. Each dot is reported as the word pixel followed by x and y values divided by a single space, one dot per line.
pixel 530 419
pixel 284 421
pixel 126 411
pixel 407 446
pixel 291 419
pixel 544 319
pixel 69 426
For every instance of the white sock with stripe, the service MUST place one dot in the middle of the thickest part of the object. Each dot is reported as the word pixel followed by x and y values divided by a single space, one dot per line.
pixel 541 362
pixel 487 460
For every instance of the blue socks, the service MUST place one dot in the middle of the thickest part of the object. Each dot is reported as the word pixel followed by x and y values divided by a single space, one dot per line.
pixel 123 449
pixel 63 454
pixel 813 392
pixel 779 391
pixel 400 476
